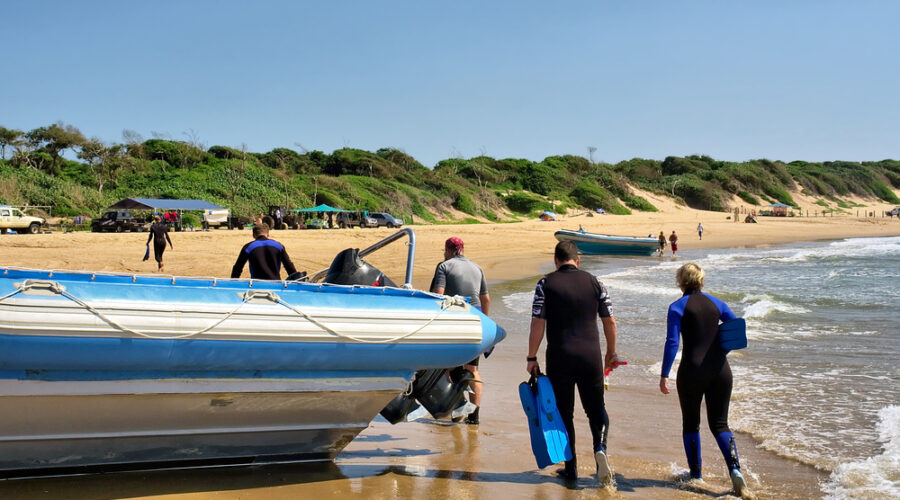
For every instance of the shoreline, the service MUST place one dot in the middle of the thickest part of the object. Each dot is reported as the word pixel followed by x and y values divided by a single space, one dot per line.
pixel 433 458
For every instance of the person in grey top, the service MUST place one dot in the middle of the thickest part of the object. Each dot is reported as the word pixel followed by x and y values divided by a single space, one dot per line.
pixel 457 275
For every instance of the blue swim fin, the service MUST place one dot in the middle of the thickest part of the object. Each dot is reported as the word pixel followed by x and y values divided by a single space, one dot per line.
pixel 527 393
pixel 555 435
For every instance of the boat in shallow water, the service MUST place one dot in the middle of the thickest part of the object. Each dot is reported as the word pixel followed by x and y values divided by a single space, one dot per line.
pixel 106 371
pixel 607 244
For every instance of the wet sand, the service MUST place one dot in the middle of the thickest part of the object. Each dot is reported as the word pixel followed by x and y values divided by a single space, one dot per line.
pixel 427 459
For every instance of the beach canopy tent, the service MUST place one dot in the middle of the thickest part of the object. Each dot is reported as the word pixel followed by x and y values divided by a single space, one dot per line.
pixel 320 208
pixel 163 204
pixel 779 209
pixel 548 215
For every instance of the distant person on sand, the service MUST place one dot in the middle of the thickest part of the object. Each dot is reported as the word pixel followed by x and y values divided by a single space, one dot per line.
pixel 662 243
pixel 700 230
pixel 264 255
pixel 703 371
pixel 457 275
pixel 159 235
pixel 567 303
pixel 673 242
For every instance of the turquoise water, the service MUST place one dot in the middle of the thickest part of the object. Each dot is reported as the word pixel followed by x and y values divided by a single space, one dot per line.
pixel 818 382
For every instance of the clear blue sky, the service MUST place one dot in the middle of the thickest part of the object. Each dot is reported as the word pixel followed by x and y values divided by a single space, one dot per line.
pixel 782 79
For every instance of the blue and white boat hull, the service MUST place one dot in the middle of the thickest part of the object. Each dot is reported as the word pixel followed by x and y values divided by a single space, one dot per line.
pixel 605 244
pixel 103 369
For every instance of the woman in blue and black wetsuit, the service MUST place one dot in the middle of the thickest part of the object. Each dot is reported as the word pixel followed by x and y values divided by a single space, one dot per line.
pixel 703 371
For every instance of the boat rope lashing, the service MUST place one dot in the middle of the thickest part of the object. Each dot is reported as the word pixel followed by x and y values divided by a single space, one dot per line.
pixel 445 304
pixel 61 290
pixel 269 295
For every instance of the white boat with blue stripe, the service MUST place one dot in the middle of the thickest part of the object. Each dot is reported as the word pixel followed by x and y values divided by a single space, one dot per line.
pixel 607 244
pixel 107 371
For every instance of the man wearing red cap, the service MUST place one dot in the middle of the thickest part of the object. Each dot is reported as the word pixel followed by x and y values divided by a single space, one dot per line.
pixel 457 275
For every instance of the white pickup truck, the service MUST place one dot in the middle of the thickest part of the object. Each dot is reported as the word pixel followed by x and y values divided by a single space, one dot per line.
pixel 13 218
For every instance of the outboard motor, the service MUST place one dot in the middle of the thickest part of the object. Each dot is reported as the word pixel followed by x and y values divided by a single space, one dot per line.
pixel 438 390
pixel 348 269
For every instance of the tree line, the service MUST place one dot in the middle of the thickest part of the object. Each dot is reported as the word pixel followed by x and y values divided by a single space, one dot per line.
pixel 391 180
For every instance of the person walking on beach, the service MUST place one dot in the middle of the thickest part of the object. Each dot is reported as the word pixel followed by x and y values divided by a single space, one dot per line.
pixel 264 255
pixel 703 371
pixel 700 230
pixel 457 275
pixel 673 242
pixel 566 304
pixel 159 235
pixel 662 243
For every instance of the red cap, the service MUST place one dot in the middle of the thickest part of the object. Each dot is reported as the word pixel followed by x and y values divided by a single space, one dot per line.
pixel 454 244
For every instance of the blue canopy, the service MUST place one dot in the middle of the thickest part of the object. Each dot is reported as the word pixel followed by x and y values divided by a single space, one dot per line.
pixel 319 208
pixel 163 204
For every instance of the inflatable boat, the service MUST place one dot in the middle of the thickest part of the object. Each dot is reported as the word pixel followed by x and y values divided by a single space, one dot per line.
pixel 103 370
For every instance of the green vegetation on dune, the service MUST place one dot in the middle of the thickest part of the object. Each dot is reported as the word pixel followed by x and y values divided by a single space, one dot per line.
pixel 34 170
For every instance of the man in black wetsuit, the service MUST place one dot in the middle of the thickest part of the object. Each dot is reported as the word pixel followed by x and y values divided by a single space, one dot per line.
pixel 567 302
pixel 159 234
pixel 265 256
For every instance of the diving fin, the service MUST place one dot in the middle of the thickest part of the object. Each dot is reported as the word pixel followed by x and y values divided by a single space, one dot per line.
pixel 552 425
pixel 527 393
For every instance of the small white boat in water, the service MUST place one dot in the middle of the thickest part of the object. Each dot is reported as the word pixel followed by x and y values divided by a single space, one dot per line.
pixel 105 371
pixel 607 244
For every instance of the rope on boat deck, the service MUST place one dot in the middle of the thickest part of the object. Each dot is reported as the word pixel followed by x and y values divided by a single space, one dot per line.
pixel 61 290
pixel 445 304
pixel 252 294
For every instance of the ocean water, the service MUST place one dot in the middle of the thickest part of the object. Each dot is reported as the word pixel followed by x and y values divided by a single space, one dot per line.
pixel 819 380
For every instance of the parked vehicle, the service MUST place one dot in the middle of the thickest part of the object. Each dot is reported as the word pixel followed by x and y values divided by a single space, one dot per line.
pixel 118 221
pixel 385 219
pixel 13 218
pixel 355 219
pixel 216 218
pixel 895 211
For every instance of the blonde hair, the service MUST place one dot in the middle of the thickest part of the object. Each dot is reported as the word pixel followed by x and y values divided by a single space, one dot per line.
pixel 690 276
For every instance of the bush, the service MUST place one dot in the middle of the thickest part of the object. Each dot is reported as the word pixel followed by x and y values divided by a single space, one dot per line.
pixel 592 196
pixel 638 203
pixel 749 198
pixel 465 204
pixel 525 203
pixel 537 178
pixel 700 195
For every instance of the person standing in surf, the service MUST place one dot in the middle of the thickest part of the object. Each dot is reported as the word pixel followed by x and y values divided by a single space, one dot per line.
pixel 159 235
pixel 673 242
pixel 703 371
pixel 662 243
pixel 566 304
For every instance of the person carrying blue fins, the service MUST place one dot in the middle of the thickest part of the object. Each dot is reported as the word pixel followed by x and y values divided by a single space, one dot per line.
pixel 565 308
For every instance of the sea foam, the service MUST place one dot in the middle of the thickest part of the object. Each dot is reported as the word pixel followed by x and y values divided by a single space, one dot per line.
pixel 874 477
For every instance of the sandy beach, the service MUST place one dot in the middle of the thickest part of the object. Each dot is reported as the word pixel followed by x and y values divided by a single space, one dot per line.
pixel 426 459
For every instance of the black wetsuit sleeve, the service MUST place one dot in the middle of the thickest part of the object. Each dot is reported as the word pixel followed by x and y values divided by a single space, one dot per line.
pixel 538 309
pixel 239 264
pixel 286 261
pixel 168 239
pixel 150 236
pixel 603 302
